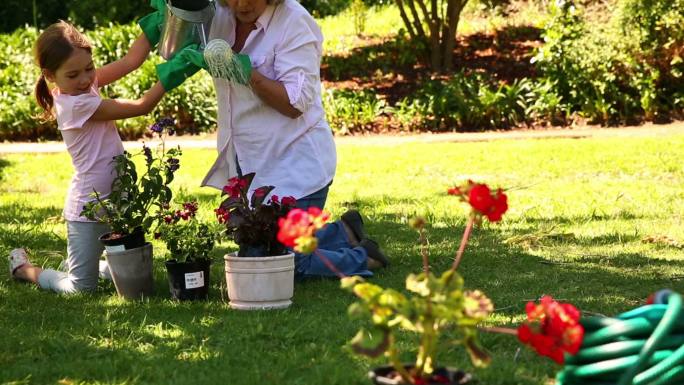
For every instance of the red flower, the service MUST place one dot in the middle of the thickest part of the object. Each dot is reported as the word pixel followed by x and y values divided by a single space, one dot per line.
pixel 552 329
pixel 454 191
pixel 234 186
pixel 288 201
pixel 274 199
pixel 190 207
pixel 297 229
pixel 222 215
pixel 499 207
pixel 480 198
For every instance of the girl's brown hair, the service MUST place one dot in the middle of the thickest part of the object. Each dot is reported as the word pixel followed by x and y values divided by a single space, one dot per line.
pixel 53 48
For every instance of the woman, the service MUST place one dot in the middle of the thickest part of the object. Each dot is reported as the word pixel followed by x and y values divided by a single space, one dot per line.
pixel 271 121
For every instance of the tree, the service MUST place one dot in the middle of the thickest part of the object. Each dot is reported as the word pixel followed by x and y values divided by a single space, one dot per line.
pixel 441 20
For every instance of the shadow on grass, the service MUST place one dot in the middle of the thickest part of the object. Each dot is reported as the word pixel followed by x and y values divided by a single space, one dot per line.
pixel 116 341
pixel 25 226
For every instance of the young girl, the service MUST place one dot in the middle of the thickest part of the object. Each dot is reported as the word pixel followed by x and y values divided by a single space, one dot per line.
pixel 85 121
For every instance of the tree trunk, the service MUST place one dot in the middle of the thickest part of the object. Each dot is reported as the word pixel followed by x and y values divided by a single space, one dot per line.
pixel 450 37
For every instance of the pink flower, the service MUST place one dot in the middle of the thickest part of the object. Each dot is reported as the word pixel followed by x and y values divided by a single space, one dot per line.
pixel 552 329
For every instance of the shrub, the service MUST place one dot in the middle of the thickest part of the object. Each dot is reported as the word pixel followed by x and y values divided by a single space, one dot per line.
pixel 350 111
pixel 194 103
pixel 616 71
pixel 467 103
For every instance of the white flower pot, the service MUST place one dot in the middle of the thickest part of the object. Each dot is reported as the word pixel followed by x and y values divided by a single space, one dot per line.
pixel 261 282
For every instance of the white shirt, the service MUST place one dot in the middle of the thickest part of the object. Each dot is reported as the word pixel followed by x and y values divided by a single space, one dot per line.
pixel 297 156
pixel 92 145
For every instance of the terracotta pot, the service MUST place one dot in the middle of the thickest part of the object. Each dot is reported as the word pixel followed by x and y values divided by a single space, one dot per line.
pixel 258 283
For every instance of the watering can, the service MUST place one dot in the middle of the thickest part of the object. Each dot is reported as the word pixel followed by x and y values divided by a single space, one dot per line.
pixel 185 22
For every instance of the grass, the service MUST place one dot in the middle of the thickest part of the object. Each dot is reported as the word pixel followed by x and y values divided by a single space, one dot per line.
pixel 580 209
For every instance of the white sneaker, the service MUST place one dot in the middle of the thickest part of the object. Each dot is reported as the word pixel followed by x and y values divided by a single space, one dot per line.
pixel 17 259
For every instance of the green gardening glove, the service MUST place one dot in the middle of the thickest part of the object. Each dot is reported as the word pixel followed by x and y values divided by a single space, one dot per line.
pixel 244 65
pixel 182 66
pixel 152 23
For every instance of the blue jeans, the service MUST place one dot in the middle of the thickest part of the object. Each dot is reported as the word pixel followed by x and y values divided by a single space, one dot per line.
pixel 333 244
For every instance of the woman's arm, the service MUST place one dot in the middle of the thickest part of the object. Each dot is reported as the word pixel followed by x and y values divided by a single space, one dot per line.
pixel 274 94
pixel 114 109
pixel 133 59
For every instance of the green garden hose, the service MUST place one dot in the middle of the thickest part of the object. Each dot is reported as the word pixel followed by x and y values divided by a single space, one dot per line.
pixel 644 346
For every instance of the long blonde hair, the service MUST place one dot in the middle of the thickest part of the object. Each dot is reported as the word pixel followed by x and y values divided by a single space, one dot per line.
pixel 53 47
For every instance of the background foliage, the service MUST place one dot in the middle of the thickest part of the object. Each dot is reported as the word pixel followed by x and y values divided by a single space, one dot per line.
pixel 607 62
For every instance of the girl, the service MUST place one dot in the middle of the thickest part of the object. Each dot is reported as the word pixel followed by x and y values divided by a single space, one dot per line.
pixel 85 121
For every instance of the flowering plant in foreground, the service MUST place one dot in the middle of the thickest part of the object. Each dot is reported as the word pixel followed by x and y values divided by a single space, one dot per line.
pixel 134 196
pixel 552 329
pixel 186 238
pixel 252 222
pixel 435 302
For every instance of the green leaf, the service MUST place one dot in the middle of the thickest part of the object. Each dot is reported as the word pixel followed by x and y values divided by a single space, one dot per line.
pixel 371 343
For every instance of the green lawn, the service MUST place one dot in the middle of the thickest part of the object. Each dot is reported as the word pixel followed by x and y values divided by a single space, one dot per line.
pixel 604 194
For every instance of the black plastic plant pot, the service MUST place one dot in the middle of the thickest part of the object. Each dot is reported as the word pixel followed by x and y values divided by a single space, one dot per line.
pixel 190 5
pixel 188 281
pixel 127 242
pixel 387 375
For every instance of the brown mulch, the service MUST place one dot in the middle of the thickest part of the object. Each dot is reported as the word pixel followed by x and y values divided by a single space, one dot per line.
pixel 504 55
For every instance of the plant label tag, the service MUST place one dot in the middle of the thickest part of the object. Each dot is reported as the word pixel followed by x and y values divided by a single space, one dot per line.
pixel 115 248
pixel 194 280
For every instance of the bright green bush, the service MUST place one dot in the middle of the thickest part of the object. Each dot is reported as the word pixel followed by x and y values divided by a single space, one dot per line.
pixel 465 103
pixel 193 104
pixel 627 68
pixel 349 111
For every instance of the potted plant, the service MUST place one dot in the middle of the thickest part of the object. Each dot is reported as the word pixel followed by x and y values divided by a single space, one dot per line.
pixel 260 275
pixel 131 209
pixel 189 243
pixel 431 304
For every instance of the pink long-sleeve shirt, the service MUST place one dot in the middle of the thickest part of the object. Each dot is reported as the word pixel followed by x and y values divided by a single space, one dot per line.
pixel 92 145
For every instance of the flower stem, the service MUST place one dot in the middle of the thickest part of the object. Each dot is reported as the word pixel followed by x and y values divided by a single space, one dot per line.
pixel 424 251
pixel 396 362
pixel 500 330
pixel 329 264
pixel 464 243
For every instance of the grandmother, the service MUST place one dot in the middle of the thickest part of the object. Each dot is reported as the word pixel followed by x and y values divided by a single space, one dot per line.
pixel 271 122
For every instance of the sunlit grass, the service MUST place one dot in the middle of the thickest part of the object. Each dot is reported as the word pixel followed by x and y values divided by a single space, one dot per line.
pixel 580 211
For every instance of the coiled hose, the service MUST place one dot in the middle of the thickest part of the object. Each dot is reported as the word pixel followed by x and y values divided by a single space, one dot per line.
pixel 644 346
